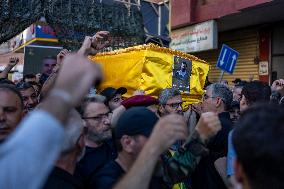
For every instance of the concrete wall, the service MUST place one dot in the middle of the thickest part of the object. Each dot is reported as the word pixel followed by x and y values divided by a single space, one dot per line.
pixel 187 12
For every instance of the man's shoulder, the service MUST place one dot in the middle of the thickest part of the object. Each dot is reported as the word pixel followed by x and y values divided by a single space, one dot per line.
pixel 107 176
pixel 226 122
pixel 93 160
pixel 110 169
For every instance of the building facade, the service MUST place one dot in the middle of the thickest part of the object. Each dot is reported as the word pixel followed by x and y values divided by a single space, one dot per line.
pixel 252 27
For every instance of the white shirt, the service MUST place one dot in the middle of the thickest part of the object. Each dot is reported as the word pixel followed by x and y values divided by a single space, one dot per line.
pixel 28 155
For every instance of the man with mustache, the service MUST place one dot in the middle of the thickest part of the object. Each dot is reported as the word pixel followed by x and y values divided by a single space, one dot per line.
pixel 29 96
pixel 99 147
pixel 11 110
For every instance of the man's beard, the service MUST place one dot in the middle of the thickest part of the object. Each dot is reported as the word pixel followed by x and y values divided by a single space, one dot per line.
pixel 102 137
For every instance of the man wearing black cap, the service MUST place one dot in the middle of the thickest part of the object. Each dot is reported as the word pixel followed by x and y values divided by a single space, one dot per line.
pixel 130 134
pixel 113 96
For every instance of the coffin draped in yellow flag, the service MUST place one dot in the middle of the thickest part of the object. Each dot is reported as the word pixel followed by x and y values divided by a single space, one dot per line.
pixel 149 68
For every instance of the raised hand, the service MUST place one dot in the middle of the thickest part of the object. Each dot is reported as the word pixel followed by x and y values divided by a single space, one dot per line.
pixel 76 76
pixel 92 45
pixel 61 55
pixel 167 131
pixel 208 125
pixel 277 85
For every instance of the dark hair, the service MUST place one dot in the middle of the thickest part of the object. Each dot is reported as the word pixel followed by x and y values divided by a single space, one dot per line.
pixel 235 104
pixel 49 57
pixel 29 76
pixel 241 84
pixel 14 90
pixel 6 81
pixel 256 91
pixel 35 83
pixel 259 144
pixel 117 142
pixel 23 86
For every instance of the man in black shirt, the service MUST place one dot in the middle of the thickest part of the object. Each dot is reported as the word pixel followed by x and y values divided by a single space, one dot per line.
pixel 131 133
pixel 217 98
pixel 99 147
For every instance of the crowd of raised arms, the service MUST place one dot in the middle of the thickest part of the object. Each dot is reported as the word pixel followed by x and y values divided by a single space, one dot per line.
pixel 58 132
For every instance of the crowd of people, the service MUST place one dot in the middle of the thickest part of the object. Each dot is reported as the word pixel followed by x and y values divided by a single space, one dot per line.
pixel 58 133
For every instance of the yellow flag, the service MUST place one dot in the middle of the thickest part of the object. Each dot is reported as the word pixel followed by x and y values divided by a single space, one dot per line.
pixel 149 68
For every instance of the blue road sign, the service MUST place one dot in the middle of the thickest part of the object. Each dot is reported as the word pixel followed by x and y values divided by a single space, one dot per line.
pixel 227 59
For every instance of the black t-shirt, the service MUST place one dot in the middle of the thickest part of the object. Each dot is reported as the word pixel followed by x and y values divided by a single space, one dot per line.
pixel 93 160
pixel 205 175
pixel 61 179
pixel 112 172
pixel 106 177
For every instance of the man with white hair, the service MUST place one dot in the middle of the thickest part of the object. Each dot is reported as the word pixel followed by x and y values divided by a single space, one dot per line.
pixel 72 151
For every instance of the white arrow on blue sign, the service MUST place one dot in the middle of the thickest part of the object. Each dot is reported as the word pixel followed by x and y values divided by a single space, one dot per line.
pixel 227 59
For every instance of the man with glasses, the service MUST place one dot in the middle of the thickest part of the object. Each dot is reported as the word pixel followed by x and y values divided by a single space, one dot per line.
pixel 170 101
pixel 217 99
pixel 99 147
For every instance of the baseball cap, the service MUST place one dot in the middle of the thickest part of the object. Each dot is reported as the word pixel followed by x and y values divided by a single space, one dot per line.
pixel 110 92
pixel 135 121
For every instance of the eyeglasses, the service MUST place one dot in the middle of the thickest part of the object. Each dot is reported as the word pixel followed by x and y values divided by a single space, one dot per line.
pixel 205 96
pixel 175 105
pixel 100 117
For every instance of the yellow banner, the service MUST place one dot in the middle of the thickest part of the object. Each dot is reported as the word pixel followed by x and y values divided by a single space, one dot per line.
pixel 149 68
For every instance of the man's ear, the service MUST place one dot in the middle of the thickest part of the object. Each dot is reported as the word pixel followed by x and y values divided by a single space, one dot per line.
pixel 126 143
pixel 161 109
pixel 218 102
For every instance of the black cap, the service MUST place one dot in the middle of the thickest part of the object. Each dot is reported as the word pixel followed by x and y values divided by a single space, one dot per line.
pixel 110 92
pixel 135 121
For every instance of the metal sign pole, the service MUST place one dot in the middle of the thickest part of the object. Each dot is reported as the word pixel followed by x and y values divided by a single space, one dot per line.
pixel 221 76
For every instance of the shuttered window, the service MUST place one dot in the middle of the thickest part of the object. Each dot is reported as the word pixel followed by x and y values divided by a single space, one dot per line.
pixel 246 43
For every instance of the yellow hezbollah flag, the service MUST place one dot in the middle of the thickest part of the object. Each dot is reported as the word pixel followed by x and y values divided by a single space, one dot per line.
pixel 149 68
